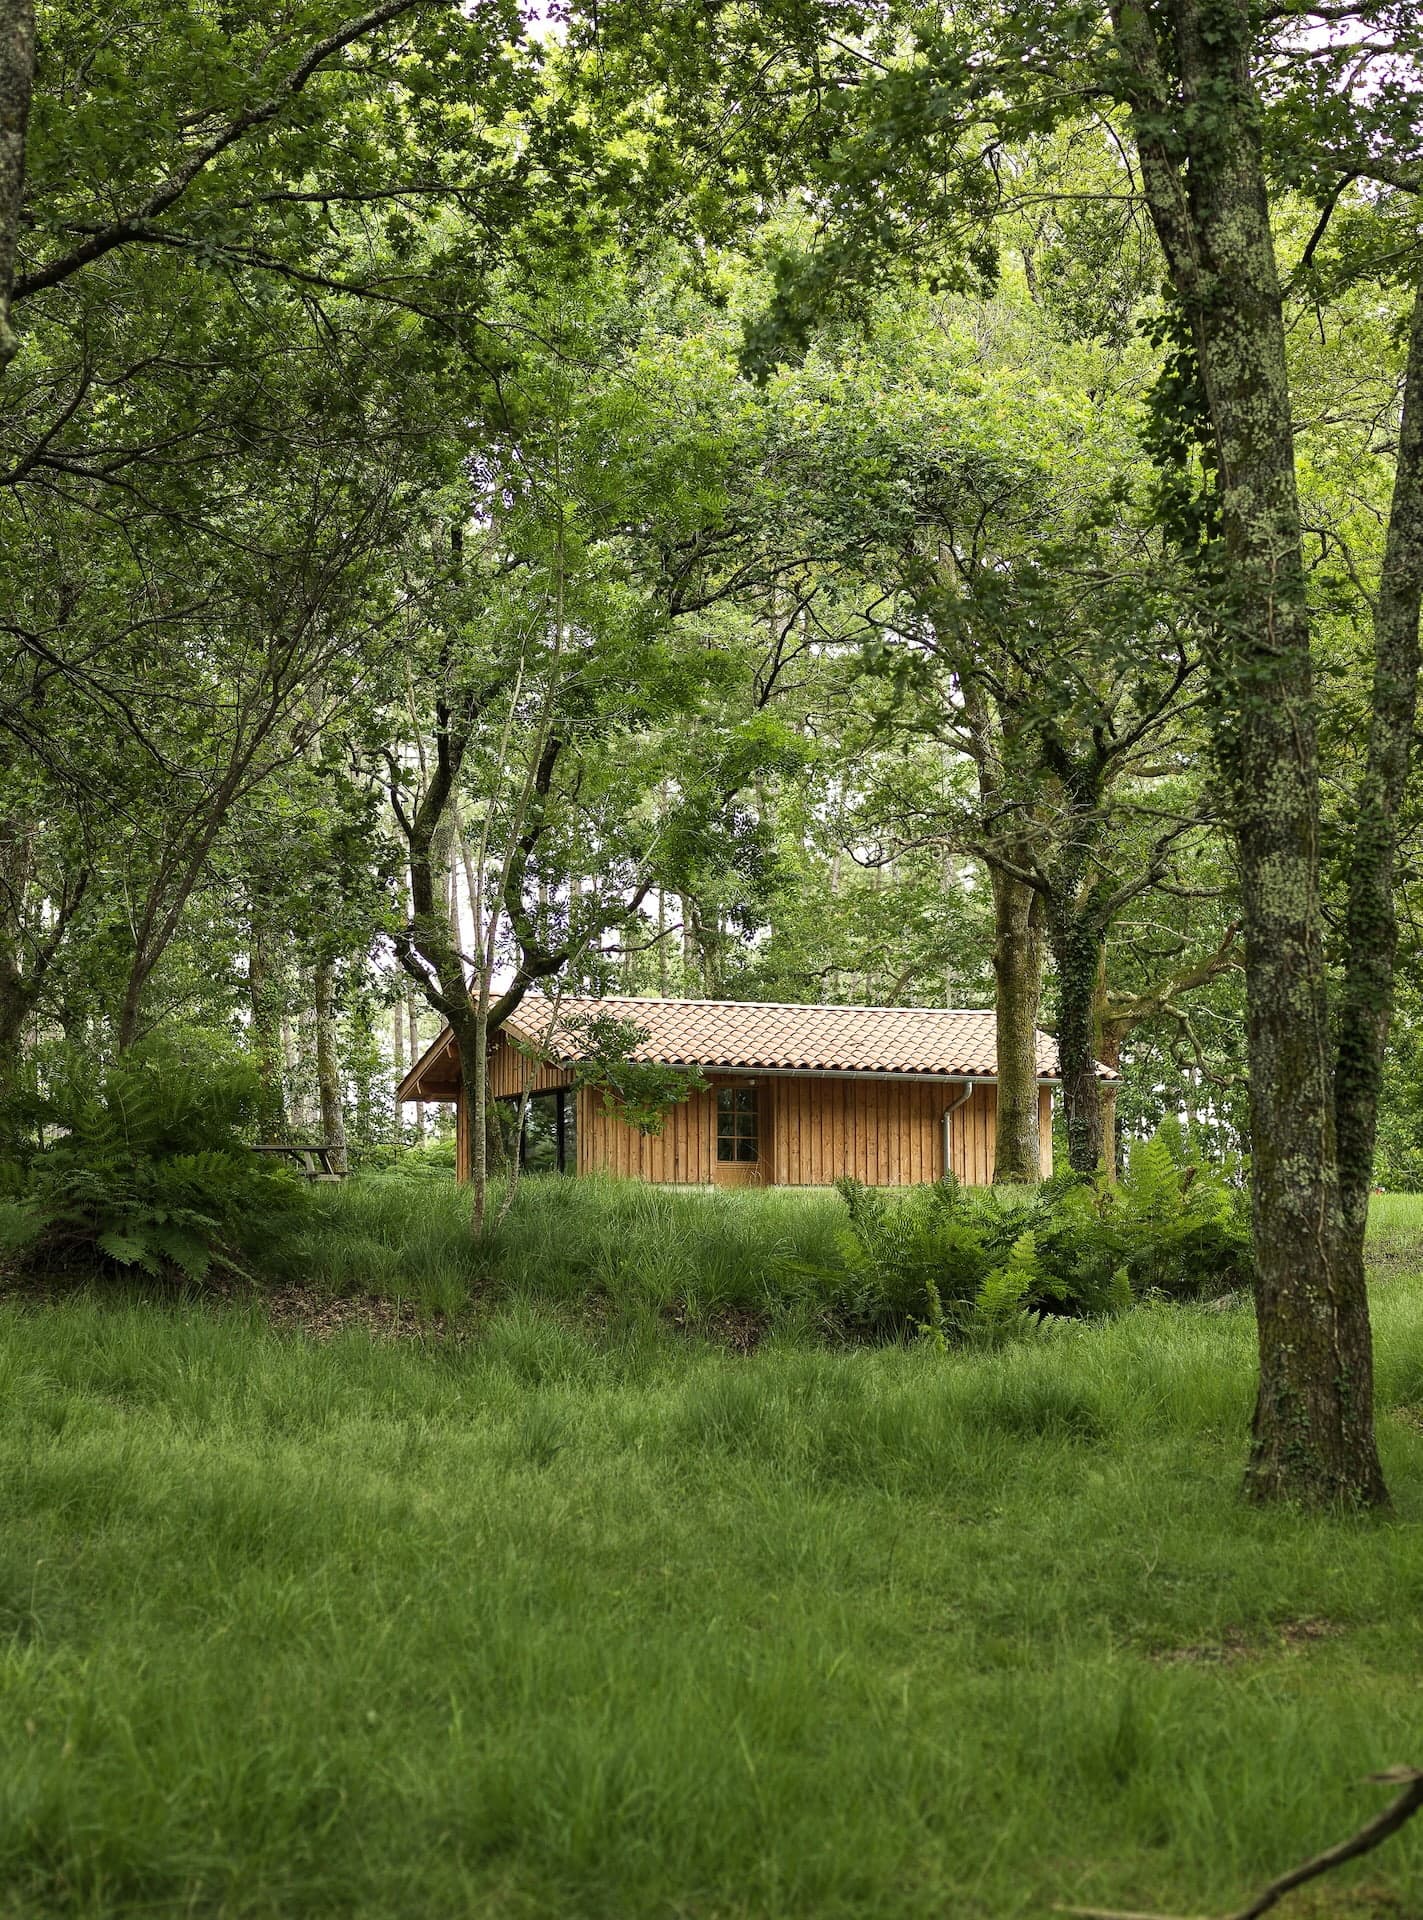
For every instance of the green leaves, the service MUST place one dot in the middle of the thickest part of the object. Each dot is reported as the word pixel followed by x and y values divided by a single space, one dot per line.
pixel 640 1092
pixel 146 1167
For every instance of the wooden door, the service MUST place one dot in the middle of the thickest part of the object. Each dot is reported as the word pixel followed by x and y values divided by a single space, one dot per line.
pixel 743 1150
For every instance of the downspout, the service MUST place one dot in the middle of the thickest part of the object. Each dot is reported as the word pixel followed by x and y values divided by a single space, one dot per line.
pixel 948 1121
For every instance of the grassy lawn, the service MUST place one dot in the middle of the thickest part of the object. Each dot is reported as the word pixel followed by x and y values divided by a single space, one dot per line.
pixel 595 1619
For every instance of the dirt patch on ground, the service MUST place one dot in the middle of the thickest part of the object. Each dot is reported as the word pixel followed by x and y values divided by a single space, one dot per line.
pixel 319 1316
pixel 290 1309
pixel 1237 1644
pixel 734 1327
pixel 1411 1416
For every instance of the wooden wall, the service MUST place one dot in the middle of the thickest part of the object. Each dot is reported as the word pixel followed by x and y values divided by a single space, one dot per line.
pixel 464 1159
pixel 973 1128
pixel 683 1154
pixel 888 1133
pixel 507 1068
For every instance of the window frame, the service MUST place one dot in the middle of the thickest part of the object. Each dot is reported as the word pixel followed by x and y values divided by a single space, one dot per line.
pixel 740 1106
pixel 565 1126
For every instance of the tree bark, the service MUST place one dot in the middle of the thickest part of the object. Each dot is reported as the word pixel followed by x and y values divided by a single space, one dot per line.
pixel 1109 1054
pixel 1371 923
pixel 1075 936
pixel 328 1067
pixel 1017 979
pixel 266 1031
pixel 1313 1433
pixel 17 73
pixel 413 1015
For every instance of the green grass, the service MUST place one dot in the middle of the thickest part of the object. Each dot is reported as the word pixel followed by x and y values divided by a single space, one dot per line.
pixel 1395 1230
pixel 595 1620
pixel 566 1243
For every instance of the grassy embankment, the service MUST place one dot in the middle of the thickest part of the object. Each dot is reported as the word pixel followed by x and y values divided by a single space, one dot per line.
pixel 583 1617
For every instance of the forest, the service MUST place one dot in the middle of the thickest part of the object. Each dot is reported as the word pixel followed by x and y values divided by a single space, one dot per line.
pixel 823 504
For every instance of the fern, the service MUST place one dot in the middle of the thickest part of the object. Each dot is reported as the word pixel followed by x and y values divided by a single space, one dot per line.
pixel 146 1169
pixel 951 1261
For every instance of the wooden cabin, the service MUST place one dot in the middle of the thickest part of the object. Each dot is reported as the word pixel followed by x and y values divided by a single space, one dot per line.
pixel 796 1096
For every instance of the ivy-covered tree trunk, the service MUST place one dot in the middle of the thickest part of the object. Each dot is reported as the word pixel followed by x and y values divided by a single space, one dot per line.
pixel 17 72
pixel 1017 980
pixel 15 1004
pixel 1076 940
pixel 1313 1434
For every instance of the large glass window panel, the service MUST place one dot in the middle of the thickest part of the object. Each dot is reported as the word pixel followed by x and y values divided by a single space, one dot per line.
pixel 541 1134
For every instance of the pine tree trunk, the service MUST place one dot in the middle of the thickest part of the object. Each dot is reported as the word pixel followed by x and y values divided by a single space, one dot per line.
pixel 1017 979
pixel 291 1072
pixel 328 1068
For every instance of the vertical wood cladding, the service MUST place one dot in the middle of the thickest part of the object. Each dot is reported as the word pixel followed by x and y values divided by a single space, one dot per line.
pixel 888 1133
pixel 683 1154
pixel 464 1156
pixel 507 1068
pixel 885 1132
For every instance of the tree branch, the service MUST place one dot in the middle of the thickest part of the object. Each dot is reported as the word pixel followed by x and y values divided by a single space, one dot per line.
pixel 1395 1815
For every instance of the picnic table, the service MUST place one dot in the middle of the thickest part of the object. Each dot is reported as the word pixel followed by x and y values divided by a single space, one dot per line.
pixel 314 1162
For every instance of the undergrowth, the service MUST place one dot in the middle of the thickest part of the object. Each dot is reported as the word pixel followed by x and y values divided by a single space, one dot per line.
pixel 592 1620
pixel 860 1265
pixel 141 1165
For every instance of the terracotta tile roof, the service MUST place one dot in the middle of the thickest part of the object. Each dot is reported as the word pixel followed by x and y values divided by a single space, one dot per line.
pixel 749 1034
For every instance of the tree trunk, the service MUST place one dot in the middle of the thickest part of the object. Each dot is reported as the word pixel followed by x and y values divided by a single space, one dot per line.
pixel 1371 924
pixel 1017 979
pixel 1313 1434
pixel 1109 1054
pixel 15 1007
pixel 266 1033
pixel 474 1080
pixel 1076 942
pixel 397 1040
pixel 328 1068
pixel 17 72
pixel 413 1015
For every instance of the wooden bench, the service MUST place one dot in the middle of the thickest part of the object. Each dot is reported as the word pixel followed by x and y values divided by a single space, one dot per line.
pixel 314 1162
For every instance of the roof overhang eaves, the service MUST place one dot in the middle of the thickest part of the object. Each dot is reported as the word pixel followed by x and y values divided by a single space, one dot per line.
pixel 412 1087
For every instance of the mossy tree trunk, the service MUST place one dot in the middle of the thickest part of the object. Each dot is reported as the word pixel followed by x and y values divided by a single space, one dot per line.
pixel 1076 934
pixel 1017 980
pixel 1196 117
pixel 1371 923
pixel 17 72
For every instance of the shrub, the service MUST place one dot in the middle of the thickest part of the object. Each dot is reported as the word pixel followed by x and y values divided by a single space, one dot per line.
pixel 964 1262
pixel 143 1167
